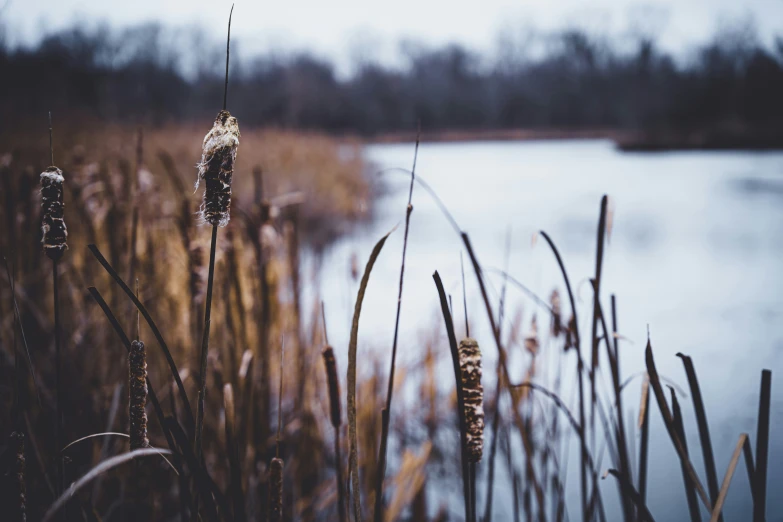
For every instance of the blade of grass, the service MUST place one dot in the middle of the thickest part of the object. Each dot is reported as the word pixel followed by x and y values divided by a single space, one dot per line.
pixel 690 493
pixel 614 363
pixel 636 498
pixel 762 448
pixel 644 444
pixel 583 462
pixel 724 489
pixel 103 467
pixel 594 359
pixel 158 336
pixel 447 319
pixel 668 420
pixel 704 428
pixel 353 457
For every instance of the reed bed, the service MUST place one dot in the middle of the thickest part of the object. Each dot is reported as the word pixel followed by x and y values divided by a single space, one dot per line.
pixel 207 433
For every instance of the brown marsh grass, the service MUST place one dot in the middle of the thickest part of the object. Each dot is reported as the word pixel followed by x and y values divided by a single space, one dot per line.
pixel 305 191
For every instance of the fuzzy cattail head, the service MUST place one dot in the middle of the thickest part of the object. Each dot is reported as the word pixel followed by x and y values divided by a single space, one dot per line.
pixel 137 362
pixel 55 234
pixel 219 152
pixel 276 490
pixel 19 506
pixel 334 385
pixel 473 395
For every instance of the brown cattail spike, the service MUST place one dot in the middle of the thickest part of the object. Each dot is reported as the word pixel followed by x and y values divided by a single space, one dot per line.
pixel 276 490
pixel 19 506
pixel 137 360
pixel 334 385
pixel 55 234
pixel 473 395
pixel 557 314
pixel 219 152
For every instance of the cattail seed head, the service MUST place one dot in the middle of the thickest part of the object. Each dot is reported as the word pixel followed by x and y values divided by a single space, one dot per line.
pixel 334 385
pixel 473 396
pixel 137 362
pixel 557 314
pixel 531 339
pixel 219 152
pixel 276 490
pixel 55 234
pixel 570 340
pixel 18 471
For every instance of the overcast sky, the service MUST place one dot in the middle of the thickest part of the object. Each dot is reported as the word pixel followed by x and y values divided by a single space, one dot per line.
pixel 341 27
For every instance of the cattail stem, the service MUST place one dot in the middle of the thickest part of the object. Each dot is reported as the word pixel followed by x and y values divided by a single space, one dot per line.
pixel 57 375
pixel 381 471
pixel 205 347
pixel 134 231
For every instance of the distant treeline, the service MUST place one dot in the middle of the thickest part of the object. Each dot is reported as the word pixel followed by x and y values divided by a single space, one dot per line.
pixel 573 80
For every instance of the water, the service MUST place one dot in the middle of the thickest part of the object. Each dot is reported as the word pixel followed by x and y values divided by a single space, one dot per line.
pixel 694 253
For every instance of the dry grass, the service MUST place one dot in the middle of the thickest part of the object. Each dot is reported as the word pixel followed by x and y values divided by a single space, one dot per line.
pixel 305 191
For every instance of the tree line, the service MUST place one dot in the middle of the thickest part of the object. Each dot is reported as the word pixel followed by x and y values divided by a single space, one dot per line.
pixel 575 81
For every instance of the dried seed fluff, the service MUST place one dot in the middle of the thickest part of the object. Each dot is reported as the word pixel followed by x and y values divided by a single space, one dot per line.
pixel 55 234
pixel 473 395
pixel 219 152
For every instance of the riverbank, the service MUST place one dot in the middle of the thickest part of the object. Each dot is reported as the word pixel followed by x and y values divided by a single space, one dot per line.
pixel 626 140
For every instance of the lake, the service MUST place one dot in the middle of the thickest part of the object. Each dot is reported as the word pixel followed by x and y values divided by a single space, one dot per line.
pixel 694 253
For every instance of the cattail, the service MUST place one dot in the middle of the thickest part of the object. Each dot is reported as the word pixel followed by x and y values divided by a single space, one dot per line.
pixel 531 339
pixel 137 362
pixel 276 490
pixel 334 385
pixel 219 152
pixel 557 314
pixel 20 490
pixel 473 395
pixel 570 340
pixel 55 234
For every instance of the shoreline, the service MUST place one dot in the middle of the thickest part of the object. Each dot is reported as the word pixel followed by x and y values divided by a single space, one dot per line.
pixel 624 140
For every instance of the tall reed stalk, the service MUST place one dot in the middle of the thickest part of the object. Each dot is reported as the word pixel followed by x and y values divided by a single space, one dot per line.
pixel 216 169
pixel 54 242
pixel 386 414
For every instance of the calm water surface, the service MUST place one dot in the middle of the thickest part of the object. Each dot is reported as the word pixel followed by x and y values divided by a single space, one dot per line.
pixel 695 253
